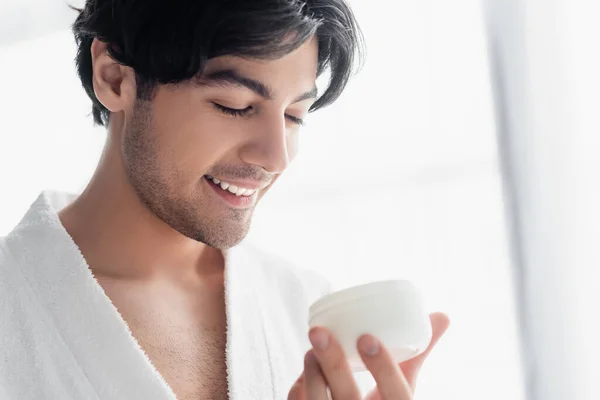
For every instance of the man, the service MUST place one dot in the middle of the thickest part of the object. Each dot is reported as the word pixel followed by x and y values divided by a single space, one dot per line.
pixel 139 287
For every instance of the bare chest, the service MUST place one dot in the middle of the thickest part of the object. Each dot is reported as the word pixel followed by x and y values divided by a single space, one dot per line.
pixel 184 337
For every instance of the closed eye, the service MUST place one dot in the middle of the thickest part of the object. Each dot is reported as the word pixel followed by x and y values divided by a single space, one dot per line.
pixel 237 112
pixel 233 111
pixel 295 120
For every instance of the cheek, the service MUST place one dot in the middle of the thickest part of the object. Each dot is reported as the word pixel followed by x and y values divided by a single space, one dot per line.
pixel 190 136
pixel 193 143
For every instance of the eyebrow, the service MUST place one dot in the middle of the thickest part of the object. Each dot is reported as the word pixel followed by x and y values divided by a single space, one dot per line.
pixel 231 77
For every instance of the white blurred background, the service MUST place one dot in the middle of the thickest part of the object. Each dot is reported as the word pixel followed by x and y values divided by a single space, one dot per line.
pixel 458 158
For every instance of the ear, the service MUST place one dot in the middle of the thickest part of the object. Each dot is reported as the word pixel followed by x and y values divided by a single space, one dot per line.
pixel 114 84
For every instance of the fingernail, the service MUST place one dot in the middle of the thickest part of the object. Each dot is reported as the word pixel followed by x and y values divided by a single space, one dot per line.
pixel 310 359
pixel 369 345
pixel 319 339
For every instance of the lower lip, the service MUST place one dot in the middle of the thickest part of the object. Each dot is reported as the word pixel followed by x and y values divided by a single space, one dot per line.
pixel 231 199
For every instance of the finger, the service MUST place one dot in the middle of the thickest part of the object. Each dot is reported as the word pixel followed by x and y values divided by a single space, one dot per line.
pixel 314 383
pixel 391 382
pixel 411 368
pixel 298 390
pixel 334 365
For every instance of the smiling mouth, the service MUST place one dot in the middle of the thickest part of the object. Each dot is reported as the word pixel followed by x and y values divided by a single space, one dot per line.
pixel 226 186
pixel 235 197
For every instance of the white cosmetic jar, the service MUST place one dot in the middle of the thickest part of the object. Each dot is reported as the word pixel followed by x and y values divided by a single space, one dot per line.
pixel 393 311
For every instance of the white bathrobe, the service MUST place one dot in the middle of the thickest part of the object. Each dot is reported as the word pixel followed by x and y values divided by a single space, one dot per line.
pixel 62 338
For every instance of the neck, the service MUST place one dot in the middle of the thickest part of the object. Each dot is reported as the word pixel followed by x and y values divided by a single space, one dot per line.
pixel 121 238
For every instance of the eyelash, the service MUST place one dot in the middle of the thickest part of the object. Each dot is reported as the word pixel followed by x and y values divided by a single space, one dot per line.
pixel 234 112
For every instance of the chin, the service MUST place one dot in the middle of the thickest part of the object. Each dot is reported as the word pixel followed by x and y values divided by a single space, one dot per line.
pixel 222 238
pixel 223 244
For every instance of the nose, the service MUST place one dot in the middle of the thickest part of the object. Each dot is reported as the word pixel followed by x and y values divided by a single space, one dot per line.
pixel 268 144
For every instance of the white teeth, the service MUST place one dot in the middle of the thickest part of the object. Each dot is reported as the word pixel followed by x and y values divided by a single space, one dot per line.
pixel 233 189
pixel 245 192
pixel 238 191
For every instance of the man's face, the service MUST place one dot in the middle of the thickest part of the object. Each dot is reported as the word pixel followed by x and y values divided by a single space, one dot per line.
pixel 175 143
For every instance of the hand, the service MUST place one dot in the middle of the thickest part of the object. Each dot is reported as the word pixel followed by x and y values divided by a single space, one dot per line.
pixel 326 368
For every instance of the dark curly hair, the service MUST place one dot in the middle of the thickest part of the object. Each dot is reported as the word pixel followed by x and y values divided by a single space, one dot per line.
pixel 169 41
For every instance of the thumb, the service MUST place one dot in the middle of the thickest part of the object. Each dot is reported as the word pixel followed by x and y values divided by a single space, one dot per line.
pixel 298 390
pixel 439 324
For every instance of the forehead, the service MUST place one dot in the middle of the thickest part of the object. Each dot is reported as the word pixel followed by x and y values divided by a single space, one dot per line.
pixel 298 68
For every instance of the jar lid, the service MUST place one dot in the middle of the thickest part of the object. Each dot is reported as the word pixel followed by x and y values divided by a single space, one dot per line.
pixel 360 292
